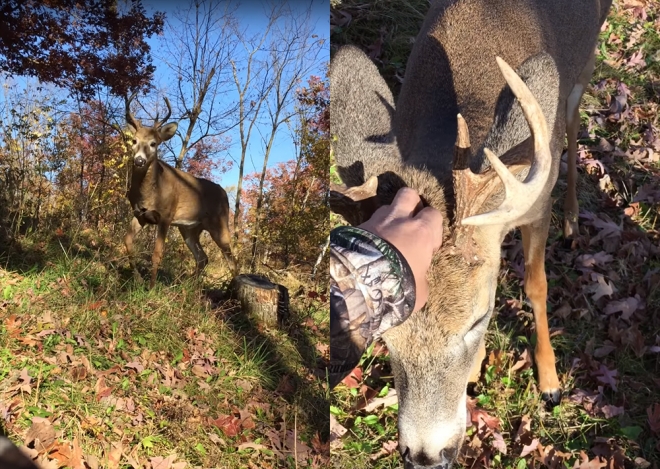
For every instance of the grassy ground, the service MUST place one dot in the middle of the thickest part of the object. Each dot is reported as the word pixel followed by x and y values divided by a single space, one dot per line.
pixel 604 291
pixel 97 370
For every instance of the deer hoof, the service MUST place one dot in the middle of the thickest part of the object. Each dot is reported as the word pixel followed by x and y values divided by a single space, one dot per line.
pixel 571 227
pixel 551 398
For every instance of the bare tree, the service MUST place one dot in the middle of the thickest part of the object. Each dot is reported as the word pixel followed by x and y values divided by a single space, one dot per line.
pixel 294 54
pixel 199 54
pixel 253 84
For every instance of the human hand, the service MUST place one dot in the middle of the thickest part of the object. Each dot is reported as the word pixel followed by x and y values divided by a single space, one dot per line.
pixel 415 231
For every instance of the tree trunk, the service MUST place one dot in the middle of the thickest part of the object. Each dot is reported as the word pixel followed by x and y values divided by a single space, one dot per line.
pixel 264 301
pixel 260 198
pixel 321 256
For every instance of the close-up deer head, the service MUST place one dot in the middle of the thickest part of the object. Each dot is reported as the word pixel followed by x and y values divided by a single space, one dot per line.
pixel 145 140
pixel 436 349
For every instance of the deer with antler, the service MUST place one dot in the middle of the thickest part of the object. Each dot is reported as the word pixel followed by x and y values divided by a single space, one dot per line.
pixel 163 196
pixel 513 73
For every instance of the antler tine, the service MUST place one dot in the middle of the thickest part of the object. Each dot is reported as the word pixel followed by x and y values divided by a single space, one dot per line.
pixel 129 116
pixel 462 146
pixel 520 196
pixel 169 113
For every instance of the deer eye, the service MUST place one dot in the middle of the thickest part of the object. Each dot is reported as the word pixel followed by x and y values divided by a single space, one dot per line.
pixel 134 142
pixel 153 144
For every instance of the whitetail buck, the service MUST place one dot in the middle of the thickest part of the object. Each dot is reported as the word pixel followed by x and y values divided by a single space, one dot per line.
pixel 459 65
pixel 162 195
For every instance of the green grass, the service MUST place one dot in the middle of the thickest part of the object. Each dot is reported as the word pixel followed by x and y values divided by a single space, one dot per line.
pixel 174 359
pixel 575 426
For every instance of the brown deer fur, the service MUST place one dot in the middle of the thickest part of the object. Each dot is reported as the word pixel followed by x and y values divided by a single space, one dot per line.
pixel 162 195
pixel 452 69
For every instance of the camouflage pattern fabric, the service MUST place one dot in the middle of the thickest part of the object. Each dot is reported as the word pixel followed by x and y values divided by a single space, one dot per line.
pixel 371 290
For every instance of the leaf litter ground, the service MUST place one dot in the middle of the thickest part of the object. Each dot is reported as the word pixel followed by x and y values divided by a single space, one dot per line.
pixel 98 372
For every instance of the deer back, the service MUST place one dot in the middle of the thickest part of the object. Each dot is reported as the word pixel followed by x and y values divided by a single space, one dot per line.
pixel 451 69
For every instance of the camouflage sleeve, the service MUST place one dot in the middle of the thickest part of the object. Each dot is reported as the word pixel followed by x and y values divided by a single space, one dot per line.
pixel 372 289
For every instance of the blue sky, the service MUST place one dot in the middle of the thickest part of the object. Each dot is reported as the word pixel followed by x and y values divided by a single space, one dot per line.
pixel 251 14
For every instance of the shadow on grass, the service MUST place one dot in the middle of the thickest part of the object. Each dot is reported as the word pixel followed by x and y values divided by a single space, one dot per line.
pixel 37 252
pixel 305 392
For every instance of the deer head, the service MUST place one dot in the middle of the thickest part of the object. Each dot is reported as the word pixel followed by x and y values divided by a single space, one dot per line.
pixel 435 350
pixel 145 140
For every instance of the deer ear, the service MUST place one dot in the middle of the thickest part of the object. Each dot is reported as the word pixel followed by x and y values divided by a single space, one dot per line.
pixel 361 114
pixel 166 132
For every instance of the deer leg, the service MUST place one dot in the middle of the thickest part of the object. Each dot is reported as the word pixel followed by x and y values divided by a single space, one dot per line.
pixel 191 237
pixel 572 125
pixel 571 208
pixel 534 237
pixel 133 230
pixel 220 234
pixel 478 360
pixel 158 251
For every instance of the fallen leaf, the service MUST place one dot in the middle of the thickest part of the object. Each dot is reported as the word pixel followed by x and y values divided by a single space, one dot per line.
pixel 101 389
pixel 386 449
pixel 12 324
pixel 79 373
pixel 596 463
pixel 41 434
pixel 299 449
pixel 498 442
pixel 114 455
pixel 607 376
pixel 603 351
pixel 637 60
pixel 527 449
pixel 386 401
pixel 336 431
pixel 228 424
pixel 653 413
pixel 61 452
pixel 199 371
pixel 320 446
pixel 610 411
pixel 627 307
pixel 25 377
pixel 159 462
pixel 136 365
pixel 591 260
pixel 251 445
pixel 602 288
pixel 524 361
pixel 216 439
pixel 285 386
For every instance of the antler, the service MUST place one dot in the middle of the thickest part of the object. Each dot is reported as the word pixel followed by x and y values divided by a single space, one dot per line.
pixel 520 196
pixel 169 112
pixel 129 117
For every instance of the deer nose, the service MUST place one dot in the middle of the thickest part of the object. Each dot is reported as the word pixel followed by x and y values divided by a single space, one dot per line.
pixel 422 460
pixel 140 161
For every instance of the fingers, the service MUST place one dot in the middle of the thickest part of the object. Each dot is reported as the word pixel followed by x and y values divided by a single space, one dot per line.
pixel 433 219
pixel 406 202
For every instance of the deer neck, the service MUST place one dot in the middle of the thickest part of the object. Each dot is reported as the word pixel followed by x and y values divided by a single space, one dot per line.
pixel 144 180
